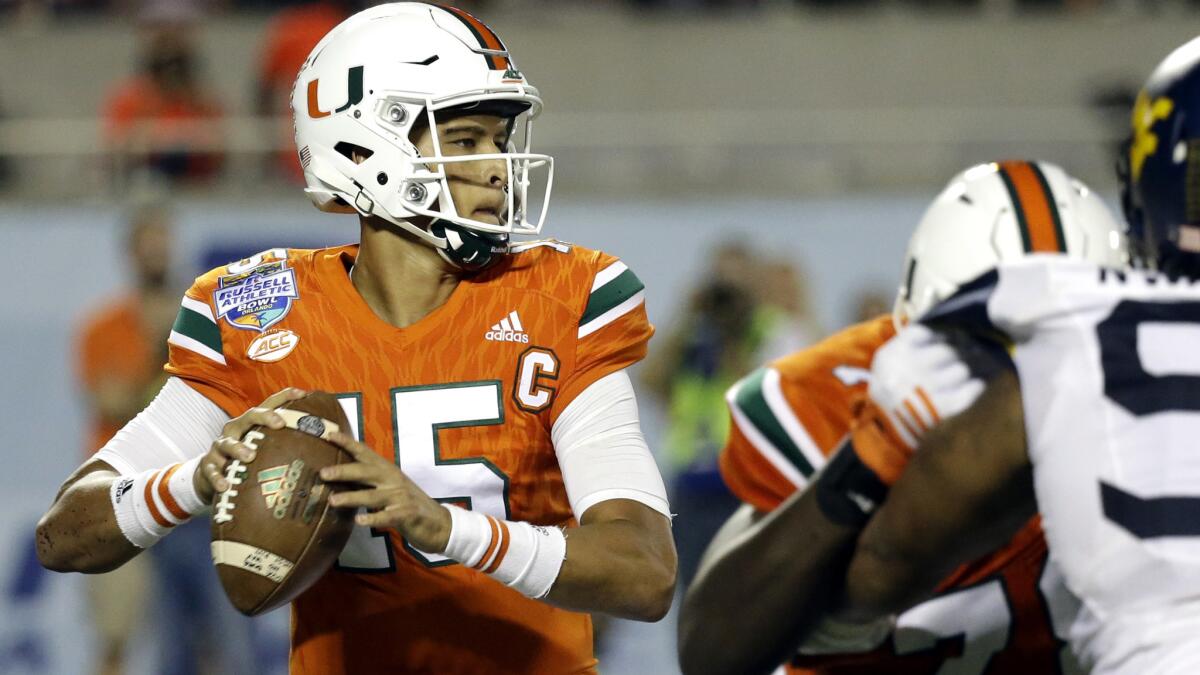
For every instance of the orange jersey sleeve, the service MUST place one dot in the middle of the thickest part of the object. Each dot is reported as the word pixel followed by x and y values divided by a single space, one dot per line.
pixel 789 416
pixel 613 329
pixel 199 341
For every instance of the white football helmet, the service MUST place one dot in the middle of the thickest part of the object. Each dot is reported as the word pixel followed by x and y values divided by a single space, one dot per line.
pixel 364 87
pixel 997 212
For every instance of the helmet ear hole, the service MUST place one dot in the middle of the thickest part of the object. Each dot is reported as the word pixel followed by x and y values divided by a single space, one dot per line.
pixel 355 153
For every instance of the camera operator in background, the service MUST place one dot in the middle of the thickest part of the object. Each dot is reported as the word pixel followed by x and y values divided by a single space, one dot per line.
pixel 750 309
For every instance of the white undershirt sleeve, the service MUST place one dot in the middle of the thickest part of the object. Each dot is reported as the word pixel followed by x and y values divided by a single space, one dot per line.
pixel 179 424
pixel 601 450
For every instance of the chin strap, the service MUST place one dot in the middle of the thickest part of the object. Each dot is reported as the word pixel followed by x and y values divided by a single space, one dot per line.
pixel 466 249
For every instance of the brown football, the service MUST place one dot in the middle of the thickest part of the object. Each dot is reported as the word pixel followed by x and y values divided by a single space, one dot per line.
pixel 273 531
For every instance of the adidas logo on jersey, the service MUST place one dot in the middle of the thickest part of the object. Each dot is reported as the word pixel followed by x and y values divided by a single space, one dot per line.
pixel 508 330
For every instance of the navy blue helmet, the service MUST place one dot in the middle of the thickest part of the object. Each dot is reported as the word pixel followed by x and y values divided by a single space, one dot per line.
pixel 1160 169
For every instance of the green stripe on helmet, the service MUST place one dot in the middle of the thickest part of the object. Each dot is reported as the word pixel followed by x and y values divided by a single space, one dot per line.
pixel 1053 205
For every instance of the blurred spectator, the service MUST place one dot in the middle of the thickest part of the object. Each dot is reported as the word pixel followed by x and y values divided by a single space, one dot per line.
pixel 291 35
pixel 121 349
pixel 785 313
pixel 870 303
pixel 164 119
pixel 723 334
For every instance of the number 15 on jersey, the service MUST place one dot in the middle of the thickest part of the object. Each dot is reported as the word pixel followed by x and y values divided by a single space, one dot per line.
pixel 418 416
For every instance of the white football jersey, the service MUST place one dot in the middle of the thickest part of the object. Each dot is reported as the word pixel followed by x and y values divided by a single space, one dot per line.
pixel 1109 365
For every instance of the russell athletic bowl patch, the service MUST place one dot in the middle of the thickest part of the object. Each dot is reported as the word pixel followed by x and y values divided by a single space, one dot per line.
pixel 256 299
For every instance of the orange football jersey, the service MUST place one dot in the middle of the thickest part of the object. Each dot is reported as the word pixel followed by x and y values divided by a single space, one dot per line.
pixel 993 615
pixel 463 401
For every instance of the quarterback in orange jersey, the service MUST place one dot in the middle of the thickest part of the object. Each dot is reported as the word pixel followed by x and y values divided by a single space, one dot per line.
pixel 502 480
pixel 809 419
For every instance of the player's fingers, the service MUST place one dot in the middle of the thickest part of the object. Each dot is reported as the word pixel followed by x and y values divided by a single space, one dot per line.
pixel 355 472
pixel 358 450
pixel 212 473
pixel 254 417
pixel 383 518
pixel 964 395
pixel 283 396
pixel 369 499
pixel 935 356
pixel 262 417
pixel 950 376
pixel 231 448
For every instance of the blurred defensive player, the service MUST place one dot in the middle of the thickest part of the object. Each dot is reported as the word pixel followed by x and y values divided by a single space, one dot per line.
pixel 992 614
pixel 1099 420
pixel 505 479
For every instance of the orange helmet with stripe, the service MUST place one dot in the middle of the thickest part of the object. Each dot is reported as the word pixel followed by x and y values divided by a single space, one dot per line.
pixel 1000 211
pixel 381 72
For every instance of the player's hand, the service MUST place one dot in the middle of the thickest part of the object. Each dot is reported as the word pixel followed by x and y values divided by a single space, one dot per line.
pixel 391 499
pixel 209 477
pixel 917 380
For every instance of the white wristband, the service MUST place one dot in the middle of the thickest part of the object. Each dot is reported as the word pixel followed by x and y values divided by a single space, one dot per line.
pixel 148 505
pixel 524 557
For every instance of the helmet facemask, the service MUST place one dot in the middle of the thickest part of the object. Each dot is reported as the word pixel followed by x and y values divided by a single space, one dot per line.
pixel 399 184
pixel 389 69
pixel 430 175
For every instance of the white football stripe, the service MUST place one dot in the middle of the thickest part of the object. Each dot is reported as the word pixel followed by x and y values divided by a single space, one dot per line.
pixel 198 307
pixel 181 340
pixel 516 321
pixel 252 559
pixel 608 274
pixel 782 410
pixel 765 448
pixel 613 314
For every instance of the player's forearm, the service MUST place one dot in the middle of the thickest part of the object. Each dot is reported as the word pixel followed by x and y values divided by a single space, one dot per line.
pixel 967 490
pixel 790 564
pixel 80 533
pixel 619 568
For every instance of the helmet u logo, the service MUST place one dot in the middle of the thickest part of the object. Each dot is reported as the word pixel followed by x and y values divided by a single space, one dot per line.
pixel 354 88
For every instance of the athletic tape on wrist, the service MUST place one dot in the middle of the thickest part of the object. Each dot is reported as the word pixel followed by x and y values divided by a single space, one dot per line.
pixel 149 505
pixel 524 557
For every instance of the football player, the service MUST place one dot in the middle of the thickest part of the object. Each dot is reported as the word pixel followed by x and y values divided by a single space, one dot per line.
pixel 791 416
pixel 1098 421
pixel 506 487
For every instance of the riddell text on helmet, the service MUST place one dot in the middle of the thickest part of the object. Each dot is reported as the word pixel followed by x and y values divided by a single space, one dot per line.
pixel 506 336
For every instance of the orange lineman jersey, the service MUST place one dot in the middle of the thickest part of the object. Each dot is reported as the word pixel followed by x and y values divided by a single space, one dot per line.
pixel 993 615
pixel 463 401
